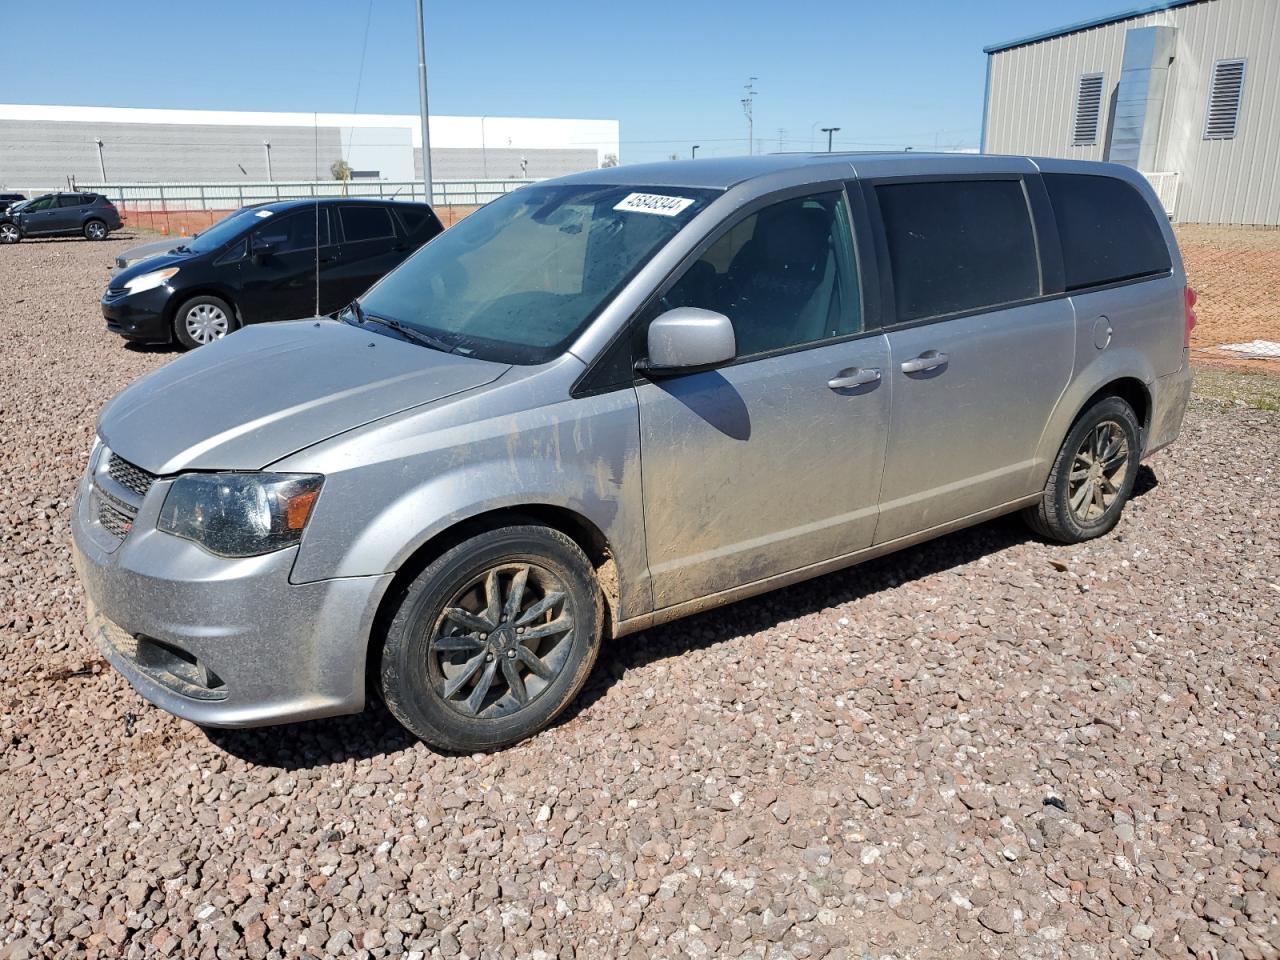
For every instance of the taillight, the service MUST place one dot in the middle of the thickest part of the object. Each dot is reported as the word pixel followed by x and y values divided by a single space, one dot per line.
pixel 1189 301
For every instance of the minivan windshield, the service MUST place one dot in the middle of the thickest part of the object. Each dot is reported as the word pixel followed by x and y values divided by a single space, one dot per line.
pixel 225 230
pixel 518 279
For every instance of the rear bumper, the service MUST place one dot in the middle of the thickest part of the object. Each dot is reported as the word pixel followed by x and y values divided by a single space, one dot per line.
pixel 1169 397
pixel 138 316
pixel 223 643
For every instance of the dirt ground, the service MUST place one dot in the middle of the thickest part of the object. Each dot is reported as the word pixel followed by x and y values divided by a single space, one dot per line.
pixel 1235 272
pixel 984 746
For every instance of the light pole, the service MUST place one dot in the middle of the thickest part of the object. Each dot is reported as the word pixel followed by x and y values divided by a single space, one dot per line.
pixel 747 103
pixel 693 153
pixel 829 131
pixel 422 105
pixel 266 150
pixel 102 167
pixel 484 155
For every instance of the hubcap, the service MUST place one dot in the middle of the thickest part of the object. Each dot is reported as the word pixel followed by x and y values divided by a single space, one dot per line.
pixel 1098 472
pixel 205 323
pixel 97 231
pixel 501 641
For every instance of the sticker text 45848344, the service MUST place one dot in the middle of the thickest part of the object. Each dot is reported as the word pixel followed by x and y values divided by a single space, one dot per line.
pixel 655 203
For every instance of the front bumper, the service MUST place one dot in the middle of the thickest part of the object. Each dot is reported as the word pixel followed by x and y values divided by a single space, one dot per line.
pixel 223 643
pixel 138 316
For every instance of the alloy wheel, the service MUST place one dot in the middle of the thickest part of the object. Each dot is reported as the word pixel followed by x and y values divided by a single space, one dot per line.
pixel 1098 472
pixel 8 233
pixel 501 641
pixel 95 230
pixel 206 323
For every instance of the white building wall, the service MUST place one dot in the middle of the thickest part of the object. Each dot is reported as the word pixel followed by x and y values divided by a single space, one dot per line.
pixel 40 146
pixel 1031 98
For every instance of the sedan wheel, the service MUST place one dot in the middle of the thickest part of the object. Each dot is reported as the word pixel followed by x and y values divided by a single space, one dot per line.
pixel 9 233
pixel 206 323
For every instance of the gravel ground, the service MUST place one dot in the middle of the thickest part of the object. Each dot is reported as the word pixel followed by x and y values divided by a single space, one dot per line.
pixel 984 746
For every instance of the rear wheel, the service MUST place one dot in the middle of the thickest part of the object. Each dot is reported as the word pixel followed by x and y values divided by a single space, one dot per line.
pixel 202 320
pixel 9 233
pixel 1092 476
pixel 95 230
pixel 493 639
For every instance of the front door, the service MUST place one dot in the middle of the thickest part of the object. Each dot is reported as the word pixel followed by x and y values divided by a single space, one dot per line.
pixel 773 462
pixel 278 281
pixel 978 359
pixel 39 216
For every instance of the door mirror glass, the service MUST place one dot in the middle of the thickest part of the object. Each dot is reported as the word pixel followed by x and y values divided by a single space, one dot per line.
pixel 688 339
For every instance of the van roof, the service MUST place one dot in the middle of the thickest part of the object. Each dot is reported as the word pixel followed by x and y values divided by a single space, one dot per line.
pixel 721 173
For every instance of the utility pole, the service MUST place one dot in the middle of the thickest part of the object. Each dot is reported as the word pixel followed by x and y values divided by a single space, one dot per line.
pixel 781 134
pixel 747 103
pixel 266 149
pixel 422 106
pixel 102 167
pixel 693 154
pixel 829 131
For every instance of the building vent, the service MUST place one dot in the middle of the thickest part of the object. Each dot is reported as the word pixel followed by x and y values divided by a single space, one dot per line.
pixel 1225 91
pixel 1084 132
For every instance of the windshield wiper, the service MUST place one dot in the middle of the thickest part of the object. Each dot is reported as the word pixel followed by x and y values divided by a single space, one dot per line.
pixel 435 343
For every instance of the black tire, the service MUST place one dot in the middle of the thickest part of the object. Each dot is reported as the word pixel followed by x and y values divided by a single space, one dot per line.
pixel 95 230
pixel 416 675
pixel 187 334
pixel 10 233
pixel 1075 506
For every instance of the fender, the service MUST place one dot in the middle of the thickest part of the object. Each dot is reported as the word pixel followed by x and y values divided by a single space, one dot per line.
pixel 1104 368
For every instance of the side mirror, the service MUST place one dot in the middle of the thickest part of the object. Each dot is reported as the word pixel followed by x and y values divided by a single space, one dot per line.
pixel 259 249
pixel 688 339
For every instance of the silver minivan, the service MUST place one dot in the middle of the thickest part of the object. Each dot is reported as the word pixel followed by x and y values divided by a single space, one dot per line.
pixel 610 400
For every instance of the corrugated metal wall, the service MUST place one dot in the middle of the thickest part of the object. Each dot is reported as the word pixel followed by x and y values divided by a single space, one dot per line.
pixel 1032 91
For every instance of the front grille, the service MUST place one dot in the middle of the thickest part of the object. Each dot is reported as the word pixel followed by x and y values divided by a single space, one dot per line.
pixel 130 477
pixel 115 521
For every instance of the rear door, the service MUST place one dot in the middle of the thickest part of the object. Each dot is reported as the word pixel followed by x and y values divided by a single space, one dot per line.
pixel 981 345
pixel 278 281
pixel 66 215
pixel 371 248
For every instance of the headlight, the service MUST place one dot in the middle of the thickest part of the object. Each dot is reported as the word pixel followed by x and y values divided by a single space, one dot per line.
pixel 149 281
pixel 240 514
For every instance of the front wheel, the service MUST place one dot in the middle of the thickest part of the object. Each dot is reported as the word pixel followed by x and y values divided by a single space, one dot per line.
pixel 9 233
pixel 1092 476
pixel 493 639
pixel 95 230
pixel 202 320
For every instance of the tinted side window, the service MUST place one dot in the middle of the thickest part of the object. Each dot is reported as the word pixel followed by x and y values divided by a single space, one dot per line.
pixel 294 232
pixel 366 223
pixel 1108 230
pixel 41 203
pixel 71 200
pixel 416 220
pixel 958 245
pixel 785 276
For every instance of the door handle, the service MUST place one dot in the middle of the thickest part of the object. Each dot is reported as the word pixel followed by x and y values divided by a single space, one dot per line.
pixel 929 360
pixel 328 260
pixel 855 377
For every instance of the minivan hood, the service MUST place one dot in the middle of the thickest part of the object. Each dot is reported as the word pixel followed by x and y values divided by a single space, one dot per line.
pixel 268 391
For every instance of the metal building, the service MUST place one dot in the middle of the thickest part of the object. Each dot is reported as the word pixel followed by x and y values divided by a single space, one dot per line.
pixel 41 146
pixel 1186 91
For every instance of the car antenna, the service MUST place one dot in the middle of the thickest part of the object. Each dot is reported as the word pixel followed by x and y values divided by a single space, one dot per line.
pixel 315 126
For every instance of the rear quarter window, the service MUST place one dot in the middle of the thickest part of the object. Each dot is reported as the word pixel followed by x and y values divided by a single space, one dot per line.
pixel 958 245
pixel 1108 230
pixel 418 222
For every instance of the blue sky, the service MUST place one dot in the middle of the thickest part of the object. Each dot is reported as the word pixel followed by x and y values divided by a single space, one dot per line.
pixel 889 74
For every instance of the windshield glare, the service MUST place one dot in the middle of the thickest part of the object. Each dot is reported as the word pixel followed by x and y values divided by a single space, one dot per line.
pixel 225 230
pixel 517 280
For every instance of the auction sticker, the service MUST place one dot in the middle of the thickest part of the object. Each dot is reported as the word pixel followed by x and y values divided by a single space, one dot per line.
pixel 653 203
